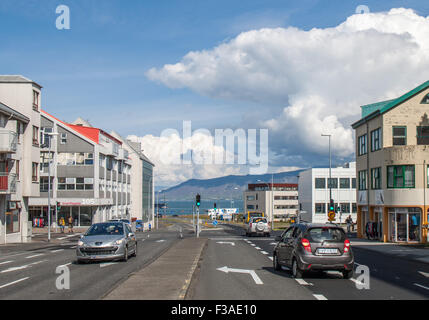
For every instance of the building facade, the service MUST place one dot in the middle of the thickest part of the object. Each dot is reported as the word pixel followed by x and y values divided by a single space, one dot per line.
pixel 90 174
pixel 314 193
pixel 20 101
pixel 277 200
pixel 392 152
pixel 142 182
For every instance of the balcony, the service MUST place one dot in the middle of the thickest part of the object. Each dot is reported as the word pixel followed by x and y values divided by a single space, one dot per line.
pixel 7 183
pixel 8 141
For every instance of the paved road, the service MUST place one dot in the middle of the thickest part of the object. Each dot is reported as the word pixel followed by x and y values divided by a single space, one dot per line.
pixel 30 273
pixel 391 277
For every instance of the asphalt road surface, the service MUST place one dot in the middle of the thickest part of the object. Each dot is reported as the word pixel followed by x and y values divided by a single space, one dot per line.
pixel 390 277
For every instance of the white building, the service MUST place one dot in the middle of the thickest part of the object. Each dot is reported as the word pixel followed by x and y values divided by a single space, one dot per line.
pixel 266 197
pixel 20 101
pixel 314 193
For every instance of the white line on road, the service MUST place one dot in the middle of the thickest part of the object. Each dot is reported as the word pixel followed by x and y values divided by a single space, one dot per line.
pixel 160 241
pixel 251 272
pixel 6 262
pixel 271 258
pixel 36 255
pixel 357 282
pixel 224 242
pixel 11 283
pixel 273 243
pixel 424 274
pixel 419 285
pixel 53 251
pixel 303 282
pixel 320 297
pixel 253 245
pixel 102 265
pixel 264 252
pixel 73 235
pixel 22 267
pixel 65 265
pixel 257 248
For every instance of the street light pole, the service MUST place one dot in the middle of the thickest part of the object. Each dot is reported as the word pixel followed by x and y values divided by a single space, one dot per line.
pixel 49 185
pixel 330 166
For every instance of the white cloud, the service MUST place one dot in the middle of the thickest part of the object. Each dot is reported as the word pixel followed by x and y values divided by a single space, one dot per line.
pixel 320 76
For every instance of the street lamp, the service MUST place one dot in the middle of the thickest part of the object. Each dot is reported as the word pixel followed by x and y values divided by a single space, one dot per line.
pixel 50 134
pixel 272 199
pixel 330 168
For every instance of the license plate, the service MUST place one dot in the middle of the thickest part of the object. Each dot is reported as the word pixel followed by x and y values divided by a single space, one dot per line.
pixel 327 251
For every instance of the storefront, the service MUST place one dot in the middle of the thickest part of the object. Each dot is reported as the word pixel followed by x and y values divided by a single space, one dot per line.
pixel 405 224
pixel 82 215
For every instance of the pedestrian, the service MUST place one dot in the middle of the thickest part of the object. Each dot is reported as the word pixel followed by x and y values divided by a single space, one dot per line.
pixel 349 222
pixel 150 227
pixel 62 224
pixel 71 224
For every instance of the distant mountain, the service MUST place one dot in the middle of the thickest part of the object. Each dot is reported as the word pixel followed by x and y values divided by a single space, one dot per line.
pixel 224 187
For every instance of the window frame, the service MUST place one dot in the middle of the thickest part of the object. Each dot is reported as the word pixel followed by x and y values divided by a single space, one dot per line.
pixel 399 137
pixel 376 140
pixel 36 97
pixel 376 184
pixel 395 186
pixel 362 144
pixel 360 180
pixel 421 137
pixel 35 170
pixel 348 183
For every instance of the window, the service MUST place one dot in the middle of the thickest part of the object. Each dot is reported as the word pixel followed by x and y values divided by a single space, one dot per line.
pixel 344 183
pixel 362 180
pixel 345 207
pixel 400 177
pixel 354 208
pixel 35 172
pixel 35 100
pixel 63 139
pixel 423 135
pixel 109 164
pixel 250 198
pixel 35 136
pixel 353 183
pixel 376 178
pixel 333 183
pixel 44 184
pixel 76 184
pixel 320 208
pixel 320 183
pixel 19 130
pixel 102 160
pixel 75 159
pixel 425 99
pixel 376 139
pixel 362 146
pixel 17 169
pixel 399 136
pixel 61 183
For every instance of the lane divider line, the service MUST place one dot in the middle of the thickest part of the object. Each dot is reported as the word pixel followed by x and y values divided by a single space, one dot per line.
pixel 14 282
pixel 6 262
pixel 53 251
pixel 419 285
pixel 36 255
pixel 264 252
pixel 320 297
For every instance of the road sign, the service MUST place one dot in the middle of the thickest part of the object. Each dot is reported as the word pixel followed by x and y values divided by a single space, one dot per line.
pixel 331 216
pixel 215 223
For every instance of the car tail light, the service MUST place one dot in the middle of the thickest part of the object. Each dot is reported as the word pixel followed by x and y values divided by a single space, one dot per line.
pixel 347 245
pixel 306 244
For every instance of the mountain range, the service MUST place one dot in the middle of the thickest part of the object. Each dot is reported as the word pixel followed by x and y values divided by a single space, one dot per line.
pixel 226 188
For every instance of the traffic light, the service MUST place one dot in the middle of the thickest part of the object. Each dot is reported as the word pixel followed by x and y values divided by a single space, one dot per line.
pixel 58 206
pixel 214 205
pixel 331 206
pixel 198 200
pixel 331 211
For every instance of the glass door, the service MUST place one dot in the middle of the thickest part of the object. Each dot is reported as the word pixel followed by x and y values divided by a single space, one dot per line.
pixel 392 227
pixel 414 227
pixel 402 227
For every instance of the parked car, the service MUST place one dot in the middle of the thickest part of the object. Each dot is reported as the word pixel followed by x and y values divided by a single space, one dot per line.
pixel 107 241
pixel 314 247
pixel 258 226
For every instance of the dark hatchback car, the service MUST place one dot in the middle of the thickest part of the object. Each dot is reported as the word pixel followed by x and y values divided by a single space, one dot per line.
pixel 314 247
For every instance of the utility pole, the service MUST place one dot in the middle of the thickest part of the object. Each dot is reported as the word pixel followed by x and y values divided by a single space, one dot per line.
pixel 331 201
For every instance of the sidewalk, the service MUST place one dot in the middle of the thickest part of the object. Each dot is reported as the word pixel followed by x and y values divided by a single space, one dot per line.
pixel 404 251
pixel 167 278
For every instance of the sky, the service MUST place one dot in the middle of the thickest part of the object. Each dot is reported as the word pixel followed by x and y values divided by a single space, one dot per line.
pixel 295 68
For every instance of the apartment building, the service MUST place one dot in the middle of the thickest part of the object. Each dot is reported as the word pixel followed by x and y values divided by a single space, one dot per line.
pixel 314 193
pixel 277 200
pixel 90 173
pixel 20 101
pixel 142 182
pixel 392 152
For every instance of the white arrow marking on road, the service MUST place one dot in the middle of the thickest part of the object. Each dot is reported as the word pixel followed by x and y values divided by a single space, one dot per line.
pixel 251 272
pixel 424 274
pixel 224 242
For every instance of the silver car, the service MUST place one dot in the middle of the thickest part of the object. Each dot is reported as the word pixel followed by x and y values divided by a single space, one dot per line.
pixel 107 241
pixel 258 226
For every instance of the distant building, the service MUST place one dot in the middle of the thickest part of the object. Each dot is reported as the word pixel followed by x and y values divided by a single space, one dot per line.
pixel 314 193
pixel 392 155
pixel 20 101
pixel 259 198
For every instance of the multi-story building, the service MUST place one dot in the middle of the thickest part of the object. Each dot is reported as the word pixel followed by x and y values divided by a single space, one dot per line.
pixel 314 193
pixel 282 198
pixel 142 182
pixel 20 100
pixel 90 173
pixel 392 152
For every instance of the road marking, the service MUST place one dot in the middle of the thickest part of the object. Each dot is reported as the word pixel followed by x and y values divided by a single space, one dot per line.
pixel 66 237
pixel 253 245
pixel 36 255
pixel 271 258
pixel 251 272
pixel 223 242
pixel 264 252
pixel 14 282
pixel 22 267
pixel 424 274
pixel 53 251
pixel 320 297
pixel 65 265
pixel 303 282
pixel 419 285
pixel 257 248
pixel 160 241
pixel 6 262
pixel 357 282
pixel 102 265
pixel 273 243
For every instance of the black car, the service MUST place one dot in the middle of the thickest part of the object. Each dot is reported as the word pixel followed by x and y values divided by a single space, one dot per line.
pixel 314 247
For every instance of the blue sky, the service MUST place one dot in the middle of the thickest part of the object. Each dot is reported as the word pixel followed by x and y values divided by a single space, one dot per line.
pixel 97 69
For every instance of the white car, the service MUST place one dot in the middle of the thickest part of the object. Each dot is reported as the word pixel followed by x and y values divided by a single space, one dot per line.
pixel 258 226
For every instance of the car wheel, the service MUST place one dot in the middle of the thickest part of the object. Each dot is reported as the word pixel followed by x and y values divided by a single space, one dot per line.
pixel 276 264
pixel 296 272
pixel 125 259
pixel 347 274
pixel 135 251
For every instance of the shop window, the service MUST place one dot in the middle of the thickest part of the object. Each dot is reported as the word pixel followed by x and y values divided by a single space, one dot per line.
pixel 399 136
pixel 12 221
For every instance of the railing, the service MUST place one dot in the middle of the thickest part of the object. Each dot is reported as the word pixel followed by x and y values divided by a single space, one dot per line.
pixel 8 141
pixel 7 182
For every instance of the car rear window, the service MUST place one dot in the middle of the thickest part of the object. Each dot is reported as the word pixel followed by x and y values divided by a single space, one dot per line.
pixel 320 234
pixel 256 220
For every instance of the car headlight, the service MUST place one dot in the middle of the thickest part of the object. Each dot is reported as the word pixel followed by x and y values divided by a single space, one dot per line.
pixel 80 243
pixel 118 242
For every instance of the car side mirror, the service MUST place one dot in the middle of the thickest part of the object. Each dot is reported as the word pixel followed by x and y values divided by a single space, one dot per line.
pixel 278 239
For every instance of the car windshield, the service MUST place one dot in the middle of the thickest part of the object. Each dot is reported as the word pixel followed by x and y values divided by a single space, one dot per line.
pixel 105 229
pixel 125 220
pixel 256 220
pixel 321 234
